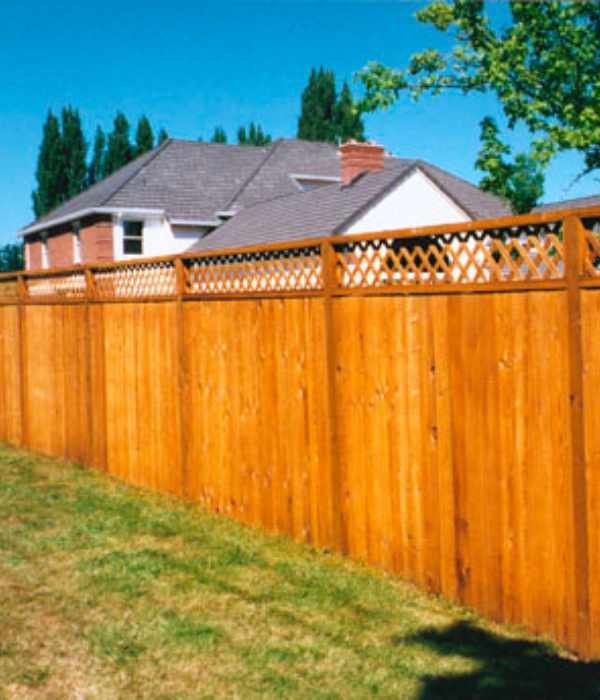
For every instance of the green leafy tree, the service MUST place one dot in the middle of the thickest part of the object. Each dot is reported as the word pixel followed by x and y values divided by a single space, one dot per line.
pixel 50 170
pixel 543 67
pixel 521 182
pixel 144 137
pixel 11 257
pixel 119 151
pixel 96 167
pixel 162 136
pixel 348 121
pixel 219 135
pixel 255 136
pixel 75 151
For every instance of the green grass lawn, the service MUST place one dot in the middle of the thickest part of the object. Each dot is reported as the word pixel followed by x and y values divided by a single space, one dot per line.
pixel 109 592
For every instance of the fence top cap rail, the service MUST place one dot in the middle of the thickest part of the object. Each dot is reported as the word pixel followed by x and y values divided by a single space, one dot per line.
pixel 545 217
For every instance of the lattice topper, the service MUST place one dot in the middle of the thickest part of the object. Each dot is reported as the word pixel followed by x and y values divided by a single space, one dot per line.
pixel 592 259
pixel 69 286
pixel 136 281
pixel 292 269
pixel 533 252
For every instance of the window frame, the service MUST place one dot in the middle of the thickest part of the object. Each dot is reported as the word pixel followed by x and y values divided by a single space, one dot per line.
pixel 129 238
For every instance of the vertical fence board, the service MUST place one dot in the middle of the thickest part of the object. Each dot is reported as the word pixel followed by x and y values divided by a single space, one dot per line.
pixel 451 437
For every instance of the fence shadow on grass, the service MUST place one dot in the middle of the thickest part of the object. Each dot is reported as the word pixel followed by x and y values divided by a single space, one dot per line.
pixel 506 668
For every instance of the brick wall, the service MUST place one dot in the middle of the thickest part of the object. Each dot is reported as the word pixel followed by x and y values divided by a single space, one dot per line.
pixel 60 248
pixel 96 235
pixel 33 254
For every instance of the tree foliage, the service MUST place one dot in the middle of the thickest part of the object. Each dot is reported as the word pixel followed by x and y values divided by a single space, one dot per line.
pixel 162 136
pixel 11 257
pixel 144 136
pixel 50 171
pixel 254 136
pixel 521 182
pixel 544 67
pixel 219 135
pixel 75 151
pixel 119 150
pixel 96 166
pixel 349 124
pixel 324 116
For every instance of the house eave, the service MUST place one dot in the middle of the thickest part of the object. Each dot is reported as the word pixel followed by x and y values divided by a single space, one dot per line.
pixel 88 211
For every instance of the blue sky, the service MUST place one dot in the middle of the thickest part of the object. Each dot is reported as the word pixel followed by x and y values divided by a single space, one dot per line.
pixel 191 65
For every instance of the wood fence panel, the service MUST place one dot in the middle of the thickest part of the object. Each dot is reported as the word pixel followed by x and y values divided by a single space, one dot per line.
pixel 454 440
pixel 256 394
pixel 590 304
pixel 141 399
pixel 55 363
pixel 10 376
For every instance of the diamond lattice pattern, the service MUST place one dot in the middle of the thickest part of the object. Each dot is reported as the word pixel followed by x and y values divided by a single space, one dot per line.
pixel 473 257
pixel 287 270
pixel 136 281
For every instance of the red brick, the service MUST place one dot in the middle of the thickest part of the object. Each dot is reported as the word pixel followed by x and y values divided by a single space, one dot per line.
pixel 357 158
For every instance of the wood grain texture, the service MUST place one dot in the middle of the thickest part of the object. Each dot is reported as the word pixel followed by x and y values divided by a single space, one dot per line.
pixel 10 376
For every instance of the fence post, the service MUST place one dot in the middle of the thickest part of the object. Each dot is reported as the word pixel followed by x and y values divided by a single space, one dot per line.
pixel 181 374
pixel 23 383
pixel 340 529
pixel 575 251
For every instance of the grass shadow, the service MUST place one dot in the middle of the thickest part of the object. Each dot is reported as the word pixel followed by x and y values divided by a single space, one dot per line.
pixel 503 667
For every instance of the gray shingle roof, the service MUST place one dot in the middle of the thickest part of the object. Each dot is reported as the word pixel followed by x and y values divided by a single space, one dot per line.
pixel 330 209
pixel 578 203
pixel 192 181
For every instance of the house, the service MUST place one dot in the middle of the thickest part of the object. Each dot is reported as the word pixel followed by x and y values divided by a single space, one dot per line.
pixel 188 196
pixel 578 203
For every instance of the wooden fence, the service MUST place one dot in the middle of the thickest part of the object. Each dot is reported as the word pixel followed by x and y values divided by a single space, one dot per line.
pixel 422 400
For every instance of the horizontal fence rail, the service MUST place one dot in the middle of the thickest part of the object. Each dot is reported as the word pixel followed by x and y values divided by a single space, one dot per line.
pixel 422 400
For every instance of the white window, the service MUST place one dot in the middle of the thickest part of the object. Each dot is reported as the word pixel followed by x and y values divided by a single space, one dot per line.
pixel 76 244
pixel 133 237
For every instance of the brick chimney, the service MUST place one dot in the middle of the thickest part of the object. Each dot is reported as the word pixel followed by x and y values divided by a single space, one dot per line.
pixel 359 157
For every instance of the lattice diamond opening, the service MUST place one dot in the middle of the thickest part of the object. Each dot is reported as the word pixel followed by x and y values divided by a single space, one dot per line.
pixel 136 281
pixel 68 286
pixel 293 269
pixel 520 253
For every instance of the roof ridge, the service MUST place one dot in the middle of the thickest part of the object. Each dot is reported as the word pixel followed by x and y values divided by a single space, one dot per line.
pixel 159 149
pixel 255 172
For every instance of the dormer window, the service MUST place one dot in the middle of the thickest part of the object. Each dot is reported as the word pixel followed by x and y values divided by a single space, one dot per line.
pixel 311 182
pixel 133 237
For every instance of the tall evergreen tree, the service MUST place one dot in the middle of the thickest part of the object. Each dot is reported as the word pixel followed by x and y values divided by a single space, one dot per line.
pixel 50 171
pixel 162 136
pixel 75 150
pixel 255 136
pixel 219 135
pixel 348 122
pixel 324 116
pixel 96 167
pixel 119 151
pixel 316 121
pixel 144 138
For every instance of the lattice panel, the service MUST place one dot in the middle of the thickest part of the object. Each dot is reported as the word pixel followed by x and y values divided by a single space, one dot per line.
pixel 9 290
pixel 68 286
pixel 294 269
pixel 475 257
pixel 136 281
pixel 592 259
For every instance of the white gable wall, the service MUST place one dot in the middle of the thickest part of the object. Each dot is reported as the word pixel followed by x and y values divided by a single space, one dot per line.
pixel 160 238
pixel 416 201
